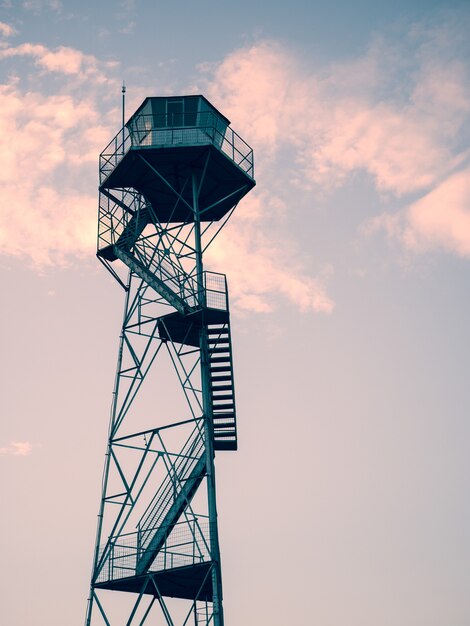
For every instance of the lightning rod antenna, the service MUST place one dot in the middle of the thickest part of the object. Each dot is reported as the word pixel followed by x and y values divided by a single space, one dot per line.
pixel 123 91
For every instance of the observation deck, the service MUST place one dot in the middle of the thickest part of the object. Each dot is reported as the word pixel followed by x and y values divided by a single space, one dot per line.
pixel 164 144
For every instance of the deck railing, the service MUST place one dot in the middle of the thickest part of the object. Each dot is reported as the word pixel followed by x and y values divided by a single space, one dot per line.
pixel 162 131
pixel 187 544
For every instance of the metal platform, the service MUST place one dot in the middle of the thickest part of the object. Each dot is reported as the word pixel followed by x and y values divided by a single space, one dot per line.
pixel 180 582
pixel 186 329
pixel 150 170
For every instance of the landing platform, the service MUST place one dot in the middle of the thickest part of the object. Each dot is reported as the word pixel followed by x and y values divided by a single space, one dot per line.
pixel 188 583
pixel 185 329
pixel 156 171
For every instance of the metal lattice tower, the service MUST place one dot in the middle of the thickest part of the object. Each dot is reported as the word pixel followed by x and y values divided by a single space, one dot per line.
pixel 169 181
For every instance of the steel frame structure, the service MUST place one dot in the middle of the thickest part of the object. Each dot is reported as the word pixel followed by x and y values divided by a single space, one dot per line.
pixel 163 199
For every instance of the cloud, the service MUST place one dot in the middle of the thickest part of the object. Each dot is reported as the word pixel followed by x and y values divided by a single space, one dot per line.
pixel 253 86
pixel 62 227
pixel 6 30
pixel 261 268
pixel 129 29
pixel 346 119
pixel 62 60
pixel 17 448
pixel 440 220
pixel 128 5
pixel 45 176
pixel 36 6
pixel 400 114
pixel 49 146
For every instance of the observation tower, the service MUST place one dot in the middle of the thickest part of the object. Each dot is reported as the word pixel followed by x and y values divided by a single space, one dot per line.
pixel 169 181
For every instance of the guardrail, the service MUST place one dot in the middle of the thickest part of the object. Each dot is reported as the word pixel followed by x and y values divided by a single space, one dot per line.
pixel 187 544
pixel 205 128
pixel 215 288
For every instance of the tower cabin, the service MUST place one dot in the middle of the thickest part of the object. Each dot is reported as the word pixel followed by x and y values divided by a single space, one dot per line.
pixel 177 120
pixel 182 156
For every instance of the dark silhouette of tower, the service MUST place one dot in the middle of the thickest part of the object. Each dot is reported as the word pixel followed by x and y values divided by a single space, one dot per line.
pixel 169 181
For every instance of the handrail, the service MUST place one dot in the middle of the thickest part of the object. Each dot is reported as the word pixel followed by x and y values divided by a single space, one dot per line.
pixel 204 128
pixel 182 467
pixel 186 545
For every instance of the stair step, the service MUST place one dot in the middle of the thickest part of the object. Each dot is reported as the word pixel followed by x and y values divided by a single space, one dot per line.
pixel 223 425
pixel 217 331
pixel 223 406
pixel 223 396
pixel 220 359
pixel 221 387
pixel 225 445
pixel 219 346
pixel 219 350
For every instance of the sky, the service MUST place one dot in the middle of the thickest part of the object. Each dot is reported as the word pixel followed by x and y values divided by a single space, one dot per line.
pixel 347 502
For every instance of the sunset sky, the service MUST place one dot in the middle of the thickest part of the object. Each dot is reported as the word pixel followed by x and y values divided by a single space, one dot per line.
pixel 347 503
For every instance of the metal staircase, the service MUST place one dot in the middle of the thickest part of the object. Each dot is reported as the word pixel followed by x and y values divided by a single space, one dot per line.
pixel 222 386
pixel 186 330
pixel 170 501
pixel 172 287
pixel 134 229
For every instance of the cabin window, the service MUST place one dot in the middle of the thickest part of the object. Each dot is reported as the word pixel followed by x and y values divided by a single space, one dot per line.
pixel 190 110
pixel 175 112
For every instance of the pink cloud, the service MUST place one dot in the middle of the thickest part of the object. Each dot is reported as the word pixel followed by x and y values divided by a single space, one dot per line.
pixel 395 148
pixel 441 219
pixel 259 273
pixel 66 60
pixel 51 228
pixel 261 267
pixel 254 86
pixel 398 114
pixel 62 60
pixel 6 30
pixel 332 124
pixel 17 448
pixel 336 121
pixel 49 149
pixel 58 138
